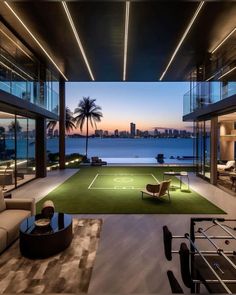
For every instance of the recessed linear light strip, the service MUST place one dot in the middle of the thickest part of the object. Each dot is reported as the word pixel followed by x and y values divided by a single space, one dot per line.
pixel 208 79
pixel 234 68
pixel 12 70
pixel 183 37
pixel 127 9
pixel 223 41
pixel 17 45
pixel 35 39
pixel 17 67
pixel 77 38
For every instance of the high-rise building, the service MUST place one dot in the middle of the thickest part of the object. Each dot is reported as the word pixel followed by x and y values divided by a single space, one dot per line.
pixel 116 133
pixel 98 133
pixel 56 133
pixel 139 133
pixel 132 129
pixel 175 133
pixel 105 133
pixel 155 132
pixel 50 132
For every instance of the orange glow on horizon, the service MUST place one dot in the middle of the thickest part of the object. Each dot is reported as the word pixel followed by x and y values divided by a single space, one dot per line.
pixel 111 127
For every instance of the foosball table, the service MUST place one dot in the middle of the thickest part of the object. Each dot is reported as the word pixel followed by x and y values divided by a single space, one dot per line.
pixel 213 266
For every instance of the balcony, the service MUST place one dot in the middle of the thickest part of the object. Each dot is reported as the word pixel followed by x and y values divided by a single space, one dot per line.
pixel 32 92
pixel 204 94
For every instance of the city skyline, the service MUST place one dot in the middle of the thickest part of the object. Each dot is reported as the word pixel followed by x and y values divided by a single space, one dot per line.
pixel 148 104
pixel 132 133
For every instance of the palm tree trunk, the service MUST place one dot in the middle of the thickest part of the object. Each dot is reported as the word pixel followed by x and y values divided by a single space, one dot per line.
pixel 87 138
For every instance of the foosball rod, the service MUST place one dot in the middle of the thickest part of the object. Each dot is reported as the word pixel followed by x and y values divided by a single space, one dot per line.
pixel 212 237
pixel 224 228
pixel 219 250
pixel 215 281
pixel 208 264
pixel 210 252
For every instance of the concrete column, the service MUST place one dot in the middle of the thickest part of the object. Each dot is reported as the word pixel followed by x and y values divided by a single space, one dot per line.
pixel 62 119
pixel 40 150
pixel 214 148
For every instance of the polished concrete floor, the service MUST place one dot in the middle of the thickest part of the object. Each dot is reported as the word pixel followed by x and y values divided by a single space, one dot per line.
pixel 130 257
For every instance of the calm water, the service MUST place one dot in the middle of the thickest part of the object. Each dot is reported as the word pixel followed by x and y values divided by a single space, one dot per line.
pixel 142 150
pixel 127 148
pixel 115 148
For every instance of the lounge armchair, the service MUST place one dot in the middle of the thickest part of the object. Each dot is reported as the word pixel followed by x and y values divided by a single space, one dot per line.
pixel 158 190
pixel 227 167
pixel 96 161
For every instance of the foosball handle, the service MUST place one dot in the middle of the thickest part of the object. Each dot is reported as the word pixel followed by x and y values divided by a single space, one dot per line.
pixel 185 265
pixel 167 238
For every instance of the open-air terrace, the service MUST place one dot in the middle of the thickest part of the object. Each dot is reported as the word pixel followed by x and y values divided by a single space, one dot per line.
pixel 117 147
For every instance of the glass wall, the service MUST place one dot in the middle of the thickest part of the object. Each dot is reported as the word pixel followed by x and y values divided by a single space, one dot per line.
pixel 226 152
pixel 17 150
pixel 206 93
pixel 52 144
pixel 22 75
pixel 203 148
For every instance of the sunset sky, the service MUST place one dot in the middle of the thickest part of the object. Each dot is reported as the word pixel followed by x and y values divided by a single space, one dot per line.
pixel 148 105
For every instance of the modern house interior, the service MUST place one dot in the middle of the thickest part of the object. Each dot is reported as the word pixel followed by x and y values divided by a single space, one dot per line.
pixel 59 230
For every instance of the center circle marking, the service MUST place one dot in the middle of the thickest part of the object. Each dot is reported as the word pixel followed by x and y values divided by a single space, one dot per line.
pixel 123 179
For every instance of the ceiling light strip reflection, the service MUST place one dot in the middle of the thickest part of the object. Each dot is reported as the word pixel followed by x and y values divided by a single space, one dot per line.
pixel 234 68
pixel 17 45
pixel 77 38
pixel 35 39
pixel 223 41
pixel 17 67
pixel 183 37
pixel 10 69
pixel 127 9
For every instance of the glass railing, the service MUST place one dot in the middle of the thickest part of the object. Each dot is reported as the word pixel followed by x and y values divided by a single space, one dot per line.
pixel 32 92
pixel 205 94
pixel 18 81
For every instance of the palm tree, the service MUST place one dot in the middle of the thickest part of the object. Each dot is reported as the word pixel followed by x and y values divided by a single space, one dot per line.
pixel 70 121
pixel 87 111
pixel 15 125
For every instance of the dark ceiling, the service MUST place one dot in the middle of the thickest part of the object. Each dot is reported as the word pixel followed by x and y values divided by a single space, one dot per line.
pixel 154 31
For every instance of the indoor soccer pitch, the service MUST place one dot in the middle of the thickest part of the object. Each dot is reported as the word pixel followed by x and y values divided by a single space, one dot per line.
pixel 116 190
pixel 122 181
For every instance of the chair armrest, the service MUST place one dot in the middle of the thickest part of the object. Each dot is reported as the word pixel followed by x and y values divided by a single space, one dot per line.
pixel 22 204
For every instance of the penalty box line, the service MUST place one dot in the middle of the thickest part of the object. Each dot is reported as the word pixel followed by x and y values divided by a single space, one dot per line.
pixel 117 188
pixel 93 181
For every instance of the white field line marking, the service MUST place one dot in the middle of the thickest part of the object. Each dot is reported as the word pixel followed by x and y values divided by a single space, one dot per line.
pixel 116 188
pixel 129 174
pixel 155 178
pixel 92 181
pixel 119 174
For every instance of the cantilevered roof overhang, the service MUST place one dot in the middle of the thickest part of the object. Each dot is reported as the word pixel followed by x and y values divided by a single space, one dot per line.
pixel 152 30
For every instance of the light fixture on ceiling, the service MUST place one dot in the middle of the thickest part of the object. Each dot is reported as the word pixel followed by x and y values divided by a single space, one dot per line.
pixel 223 41
pixel 207 80
pixel 183 37
pixel 127 11
pixel 77 38
pixel 35 39
pixel 228 72
pixel 22 71
pixel 17 45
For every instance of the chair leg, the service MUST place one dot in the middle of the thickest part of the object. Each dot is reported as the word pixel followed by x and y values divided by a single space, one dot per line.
pixel 169 196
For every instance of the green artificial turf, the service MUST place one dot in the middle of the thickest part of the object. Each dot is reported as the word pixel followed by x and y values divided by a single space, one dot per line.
pixel 117 190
